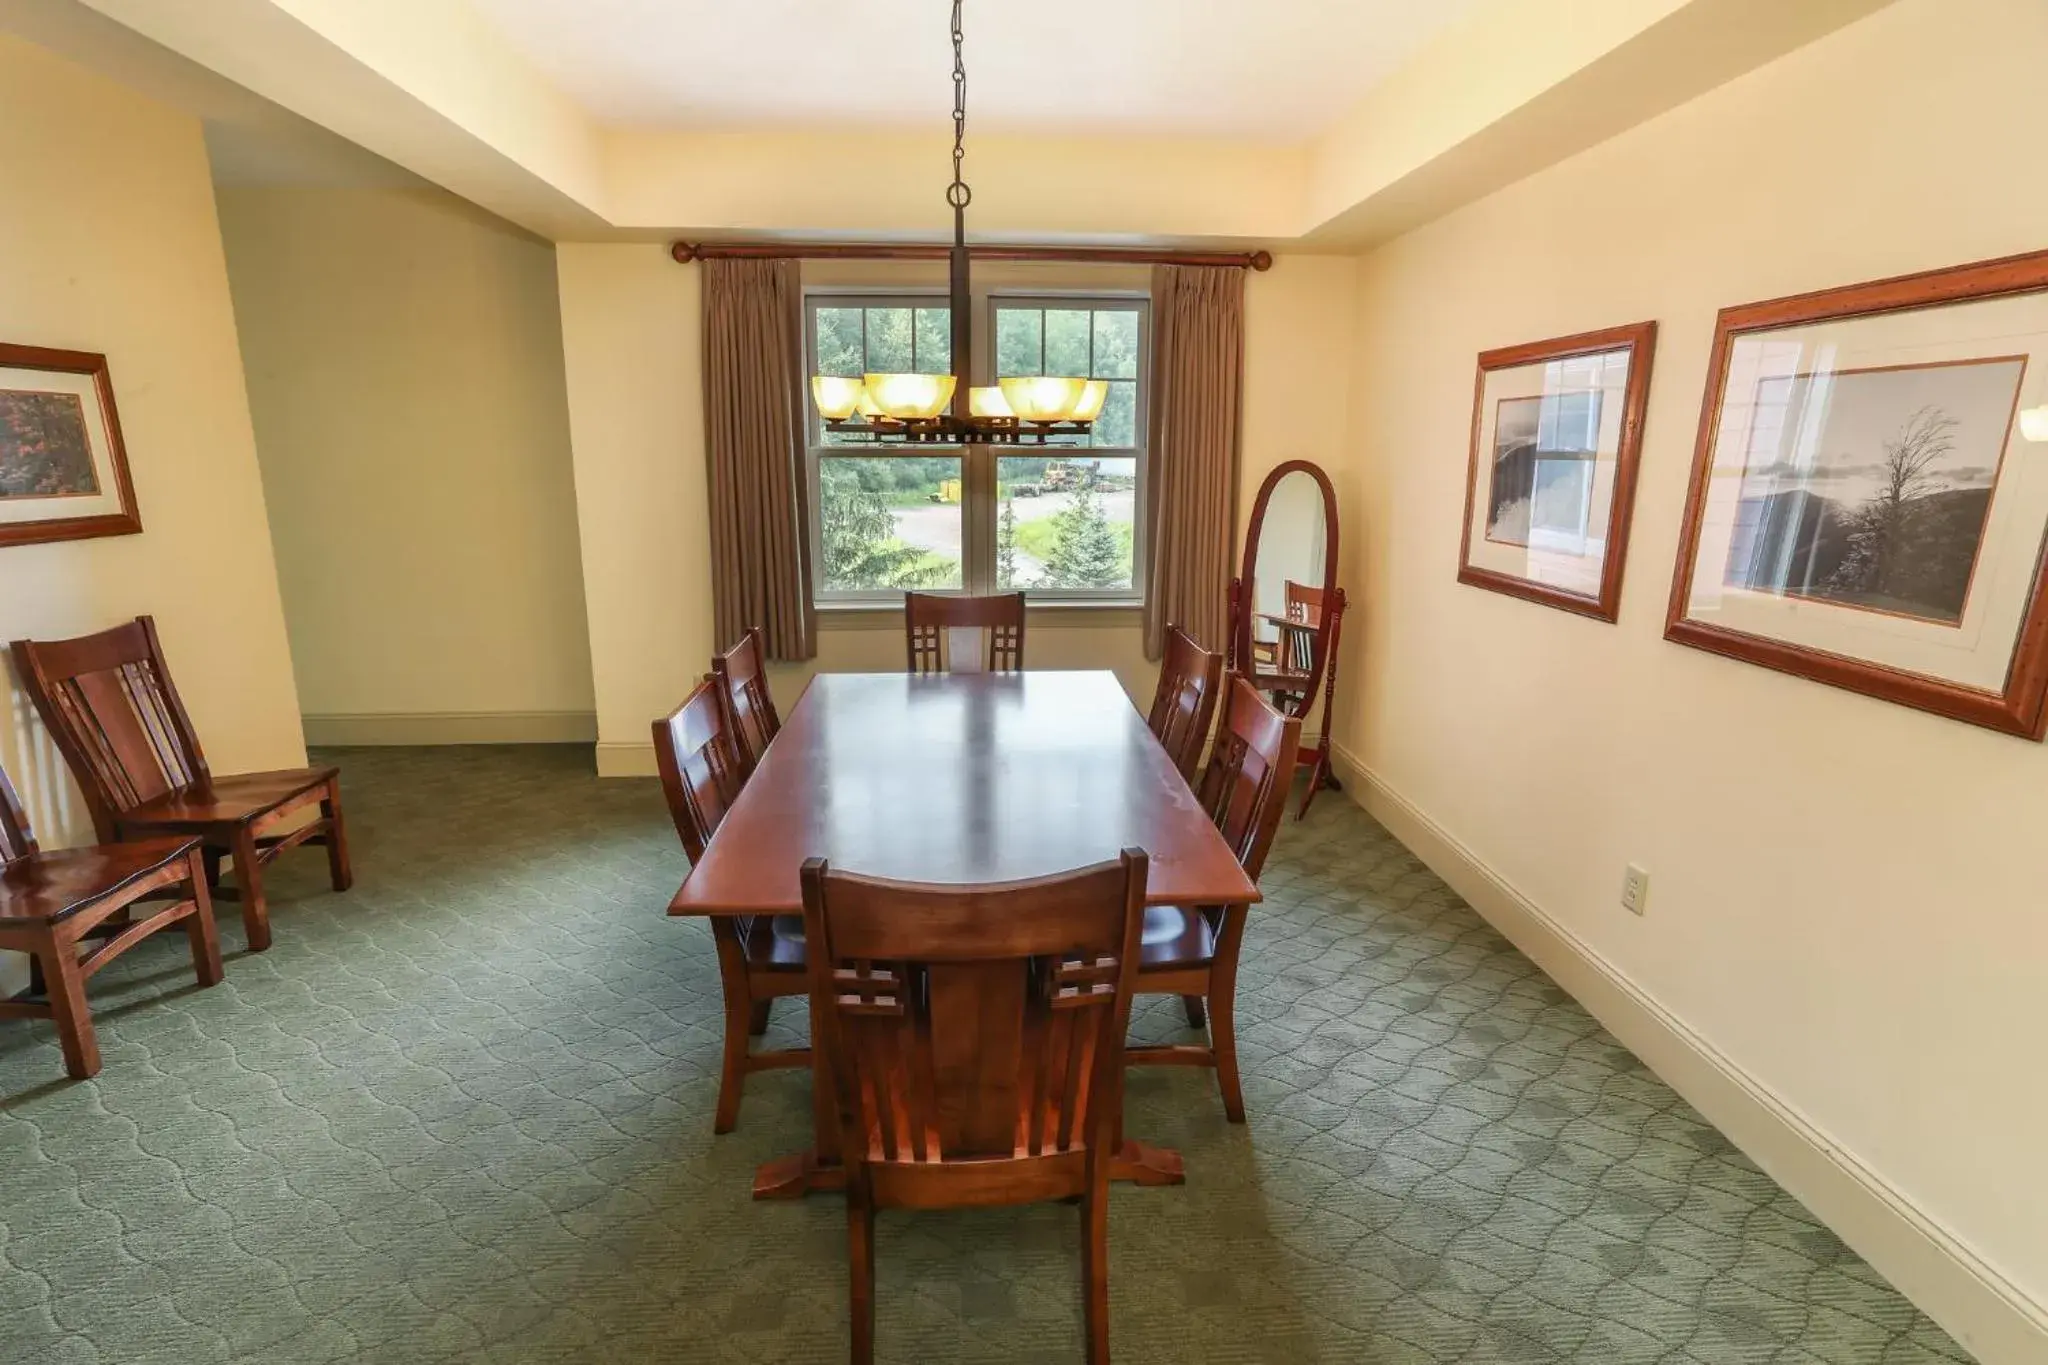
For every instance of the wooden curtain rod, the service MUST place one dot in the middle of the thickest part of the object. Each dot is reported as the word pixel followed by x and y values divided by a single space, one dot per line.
pixel 686 252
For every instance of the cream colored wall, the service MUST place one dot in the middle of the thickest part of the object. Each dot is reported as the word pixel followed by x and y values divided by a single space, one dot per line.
pixel 108 242
pixel 1846 895
pixel 631 350
pixel 405 375
pixel 630 330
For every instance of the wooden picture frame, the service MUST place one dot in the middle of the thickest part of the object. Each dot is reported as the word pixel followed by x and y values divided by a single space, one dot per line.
pixel 1560 572
pixel 75 451
pixel 2003 577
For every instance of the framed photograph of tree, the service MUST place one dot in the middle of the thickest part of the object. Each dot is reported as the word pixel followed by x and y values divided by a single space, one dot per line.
pixel 63 470
pixel 1557 428
pixel 1869 498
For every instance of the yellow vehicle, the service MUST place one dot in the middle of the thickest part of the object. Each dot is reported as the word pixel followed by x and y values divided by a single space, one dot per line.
pixel 949 491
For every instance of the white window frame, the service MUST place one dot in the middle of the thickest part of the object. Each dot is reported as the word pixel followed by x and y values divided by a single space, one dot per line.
pixel 978 506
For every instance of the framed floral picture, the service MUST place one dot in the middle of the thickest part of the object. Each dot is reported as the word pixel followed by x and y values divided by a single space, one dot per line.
pixel 63 469
pixel 1557 428
pixel 1869 498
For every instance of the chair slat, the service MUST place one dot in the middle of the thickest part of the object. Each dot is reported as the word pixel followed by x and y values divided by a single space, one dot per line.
pixel 17 837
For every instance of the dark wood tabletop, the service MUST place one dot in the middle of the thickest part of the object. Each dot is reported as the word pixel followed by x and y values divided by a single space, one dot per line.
pixel 961 778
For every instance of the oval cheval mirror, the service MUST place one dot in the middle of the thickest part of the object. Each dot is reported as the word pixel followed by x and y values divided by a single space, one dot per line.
pixel 1286 607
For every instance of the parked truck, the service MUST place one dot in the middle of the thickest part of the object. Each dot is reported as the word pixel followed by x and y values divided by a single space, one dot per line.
pixel 1061 476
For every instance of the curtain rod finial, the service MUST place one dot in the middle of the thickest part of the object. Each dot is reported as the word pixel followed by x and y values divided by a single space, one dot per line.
pixel 684 252
pixel 1261 260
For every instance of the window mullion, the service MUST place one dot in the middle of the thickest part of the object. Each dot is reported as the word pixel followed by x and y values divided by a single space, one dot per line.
pixel 977 518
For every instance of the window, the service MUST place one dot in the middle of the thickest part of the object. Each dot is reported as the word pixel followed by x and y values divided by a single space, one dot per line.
pixel 884 521
pixel 1067 523
pixel 1060 521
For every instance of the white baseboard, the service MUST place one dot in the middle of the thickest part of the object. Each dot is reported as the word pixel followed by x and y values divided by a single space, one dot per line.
pixel 452 727
pixel 616 759
pixel 1987 1313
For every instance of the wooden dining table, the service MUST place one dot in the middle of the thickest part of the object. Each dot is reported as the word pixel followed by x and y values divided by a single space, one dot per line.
pixel 967 778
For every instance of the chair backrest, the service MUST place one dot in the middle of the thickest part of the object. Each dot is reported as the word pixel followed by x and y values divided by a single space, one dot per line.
pixel 700 769
pixel 975 1033
pixel 935 626
pixel 109 702
pixel 1185 702
pixel 1300 599
pixel 1245 787
pixel 17 840
pixel 743 691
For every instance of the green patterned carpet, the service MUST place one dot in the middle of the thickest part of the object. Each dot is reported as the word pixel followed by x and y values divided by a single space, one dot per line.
pixel 464 1113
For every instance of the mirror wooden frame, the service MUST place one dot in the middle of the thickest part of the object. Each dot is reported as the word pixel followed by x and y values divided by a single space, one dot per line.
pixel 1321 677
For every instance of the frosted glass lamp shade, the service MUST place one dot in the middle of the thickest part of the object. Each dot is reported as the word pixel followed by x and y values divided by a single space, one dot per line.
pixel 988 401
pixel 1042 399
pixel 911 396
pixel 1093 395
pixel 837 397
pixel 2034 423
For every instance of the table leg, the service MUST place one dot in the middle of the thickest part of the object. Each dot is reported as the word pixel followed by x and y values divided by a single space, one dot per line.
pixel 1143 1164
pixel 818 1167
pixel 796 1175
pixel 1139 1162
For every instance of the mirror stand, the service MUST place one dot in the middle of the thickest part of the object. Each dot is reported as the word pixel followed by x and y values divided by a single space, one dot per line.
pixel 1286 609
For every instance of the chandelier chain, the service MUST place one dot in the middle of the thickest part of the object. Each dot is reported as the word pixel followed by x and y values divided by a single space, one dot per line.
pixel 957 193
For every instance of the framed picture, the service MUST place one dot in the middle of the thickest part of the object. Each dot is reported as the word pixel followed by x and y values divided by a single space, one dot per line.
pixel 63 470
pixel 1557 428
pixel 1869 500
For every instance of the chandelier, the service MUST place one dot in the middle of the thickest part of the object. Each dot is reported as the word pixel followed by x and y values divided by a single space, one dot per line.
pixel 941 409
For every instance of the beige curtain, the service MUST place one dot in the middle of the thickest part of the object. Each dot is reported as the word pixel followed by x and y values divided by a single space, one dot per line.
pixel 753 442
pixel 1191 488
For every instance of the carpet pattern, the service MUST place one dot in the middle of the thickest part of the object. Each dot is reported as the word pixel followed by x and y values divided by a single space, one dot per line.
pixel 463 1112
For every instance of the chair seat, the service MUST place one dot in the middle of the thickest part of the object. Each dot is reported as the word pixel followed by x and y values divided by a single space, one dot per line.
pixel 1279 680
pixel 233 800
pixel 775 943
pixel 52 885
pixel 1176 936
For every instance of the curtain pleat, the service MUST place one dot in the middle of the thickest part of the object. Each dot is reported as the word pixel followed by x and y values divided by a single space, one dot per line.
pixel 1194 437
pixel 753 442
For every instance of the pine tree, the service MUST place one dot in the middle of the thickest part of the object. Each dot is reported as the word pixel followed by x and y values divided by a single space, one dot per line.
pixel 858 537
pixel 1006 545
pixel 1085 551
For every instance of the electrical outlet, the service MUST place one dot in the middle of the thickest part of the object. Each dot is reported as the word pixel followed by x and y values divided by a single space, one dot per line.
pixel 1635 890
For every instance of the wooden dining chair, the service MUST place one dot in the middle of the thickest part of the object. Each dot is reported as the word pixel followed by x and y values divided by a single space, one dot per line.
pixel 936 626
pixel 750 714
pixel 974 1040
pixel 1303 603
pixel 1185 703
pixel 51 903
pixel 1192 951
pixel 109 702
pixel 760 957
